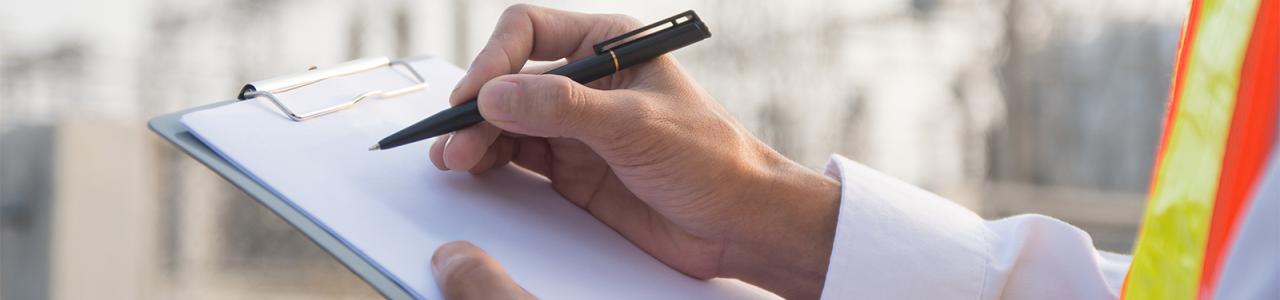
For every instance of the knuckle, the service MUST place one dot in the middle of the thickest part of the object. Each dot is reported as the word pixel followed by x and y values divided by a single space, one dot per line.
pixel 495 54
pixel 576 110
pixel 559 87
pixel 518 9
pixel 491 53
pixel 496 39
pixel 565 101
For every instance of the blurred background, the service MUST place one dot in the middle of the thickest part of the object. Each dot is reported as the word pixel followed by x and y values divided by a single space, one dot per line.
pixel 1005 106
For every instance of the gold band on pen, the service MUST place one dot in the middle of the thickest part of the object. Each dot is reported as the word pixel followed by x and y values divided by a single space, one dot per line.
pixel 616 66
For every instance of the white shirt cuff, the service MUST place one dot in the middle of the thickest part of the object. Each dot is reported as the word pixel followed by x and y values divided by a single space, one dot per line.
pixel 896 241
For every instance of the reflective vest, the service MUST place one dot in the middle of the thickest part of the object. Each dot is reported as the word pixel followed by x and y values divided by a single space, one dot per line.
pixel 1218 133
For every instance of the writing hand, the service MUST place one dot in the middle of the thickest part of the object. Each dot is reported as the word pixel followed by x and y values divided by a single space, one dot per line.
pixel 647 152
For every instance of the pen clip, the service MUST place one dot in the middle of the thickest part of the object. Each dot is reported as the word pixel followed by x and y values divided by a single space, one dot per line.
pixel 682 18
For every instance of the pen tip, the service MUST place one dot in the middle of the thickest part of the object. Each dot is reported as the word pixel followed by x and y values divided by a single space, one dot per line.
pixel 375 147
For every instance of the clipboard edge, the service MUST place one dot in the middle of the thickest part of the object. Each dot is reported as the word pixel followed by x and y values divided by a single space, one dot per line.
pixel 169 127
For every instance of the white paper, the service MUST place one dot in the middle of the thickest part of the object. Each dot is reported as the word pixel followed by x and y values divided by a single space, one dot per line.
pixel 394 208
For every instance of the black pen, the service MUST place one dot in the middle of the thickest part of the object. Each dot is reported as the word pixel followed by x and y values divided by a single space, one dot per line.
pixel 686 28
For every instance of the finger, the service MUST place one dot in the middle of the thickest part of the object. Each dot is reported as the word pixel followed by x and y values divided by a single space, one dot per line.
pixel 498 154
pixel 437 151
pixel 484 163
pixel 526 32
pixel 467 146
pixel 464 271
pixel 497 150
pixel 534 154
pixel 437 148
pixel 554 106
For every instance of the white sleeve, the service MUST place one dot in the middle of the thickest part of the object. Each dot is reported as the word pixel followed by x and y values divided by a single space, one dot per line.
pixel 896 241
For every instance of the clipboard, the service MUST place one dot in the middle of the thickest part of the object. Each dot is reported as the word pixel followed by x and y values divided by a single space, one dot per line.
pixel 169 127
pixel 378 227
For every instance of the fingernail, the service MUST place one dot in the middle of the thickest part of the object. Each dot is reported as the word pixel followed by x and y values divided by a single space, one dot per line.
pixel 496 100
pixel 444 155
pixel 440 264
pixel 439 259
pixel 435 265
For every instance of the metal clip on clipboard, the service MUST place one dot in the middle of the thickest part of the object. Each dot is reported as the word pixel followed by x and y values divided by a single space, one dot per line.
pixel 270 87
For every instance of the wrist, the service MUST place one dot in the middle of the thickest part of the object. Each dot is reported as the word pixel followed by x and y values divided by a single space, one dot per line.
pixel 787 246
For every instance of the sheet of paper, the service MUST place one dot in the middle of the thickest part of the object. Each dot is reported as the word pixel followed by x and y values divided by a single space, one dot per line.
pixel 394 208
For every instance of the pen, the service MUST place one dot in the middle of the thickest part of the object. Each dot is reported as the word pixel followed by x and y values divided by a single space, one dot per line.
pixel 686 28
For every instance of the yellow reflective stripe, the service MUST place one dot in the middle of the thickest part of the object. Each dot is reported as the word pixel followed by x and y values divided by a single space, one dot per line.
pixel 1170 249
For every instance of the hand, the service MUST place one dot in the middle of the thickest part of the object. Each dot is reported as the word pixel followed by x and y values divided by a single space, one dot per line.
pixel 647 152
pixel 463 271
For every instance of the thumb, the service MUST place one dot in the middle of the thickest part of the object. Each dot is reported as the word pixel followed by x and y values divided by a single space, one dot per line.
pixel 464 271
pixel 552 106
